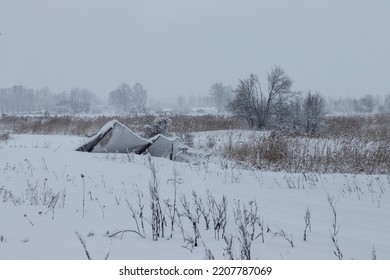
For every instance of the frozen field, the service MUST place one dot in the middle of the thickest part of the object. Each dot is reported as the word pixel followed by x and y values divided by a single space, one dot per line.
pixel 54 201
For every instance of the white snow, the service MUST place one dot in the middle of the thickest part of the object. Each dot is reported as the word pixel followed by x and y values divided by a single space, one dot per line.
pixel 36 168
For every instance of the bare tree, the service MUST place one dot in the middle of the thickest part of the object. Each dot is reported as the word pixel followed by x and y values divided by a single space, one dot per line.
pixel 181 105
pixel 44 100
pixel 365 104
pixel 139 98
pixel 221 95
pixel 248 103
pixel 279 85
pixel 81 100
pixel 129 99
pixel 120 98
pixel 256 106
pixel 17 99
pixel 386 103
pixel 313 113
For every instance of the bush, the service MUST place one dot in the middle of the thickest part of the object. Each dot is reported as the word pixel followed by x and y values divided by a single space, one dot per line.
pixel 4 135
pixel 160 125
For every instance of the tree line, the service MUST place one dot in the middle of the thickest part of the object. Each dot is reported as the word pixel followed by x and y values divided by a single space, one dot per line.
pixel 365 104
pixel 20 99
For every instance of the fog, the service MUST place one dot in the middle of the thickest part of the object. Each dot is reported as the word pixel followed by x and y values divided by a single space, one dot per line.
pixel 182 47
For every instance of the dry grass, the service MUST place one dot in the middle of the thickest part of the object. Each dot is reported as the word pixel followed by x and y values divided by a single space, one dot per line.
pixel 365 127
pixel 69 125
pixel 298 154
pixel 87 126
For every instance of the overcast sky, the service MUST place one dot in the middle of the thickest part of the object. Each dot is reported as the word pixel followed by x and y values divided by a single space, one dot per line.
pixel 181 47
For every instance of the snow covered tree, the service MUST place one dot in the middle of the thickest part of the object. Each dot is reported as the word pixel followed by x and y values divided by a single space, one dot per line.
pixel 181 105
pixel 282 113
pixel 313 113
pixel 386 103
pixel 128 99
pixel 62 104
pixel 17 99
pixel 120 98
pixel 44 100
pixel 139 98
pixel 247 102
pixel 256 106
pixel 365 104
pixel 221 95
pixel 80 100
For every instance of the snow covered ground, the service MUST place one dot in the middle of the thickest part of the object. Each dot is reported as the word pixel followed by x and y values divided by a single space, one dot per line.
pixel 48 192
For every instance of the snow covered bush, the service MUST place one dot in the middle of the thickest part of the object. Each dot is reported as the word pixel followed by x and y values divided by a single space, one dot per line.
pixel 4 135
pixel 160 125
pixel 313 113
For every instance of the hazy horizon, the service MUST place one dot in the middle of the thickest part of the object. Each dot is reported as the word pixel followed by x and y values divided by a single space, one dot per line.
pixel 181 47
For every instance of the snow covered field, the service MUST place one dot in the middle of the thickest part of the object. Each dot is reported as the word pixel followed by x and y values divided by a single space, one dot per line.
pixel 54 200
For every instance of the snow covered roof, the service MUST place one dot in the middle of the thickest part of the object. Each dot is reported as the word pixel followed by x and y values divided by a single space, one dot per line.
pixel 115 137
pixel 165 147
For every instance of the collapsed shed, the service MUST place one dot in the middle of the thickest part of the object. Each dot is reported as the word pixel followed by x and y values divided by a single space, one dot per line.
pixel 114 137
pixel 165 147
